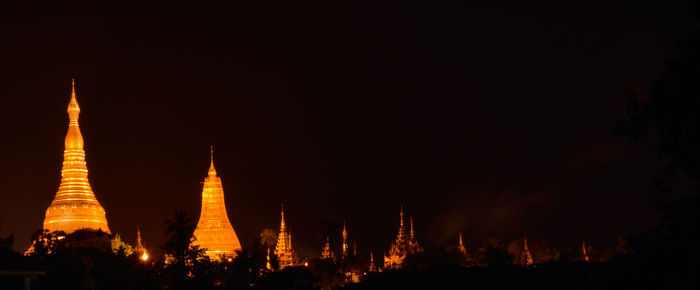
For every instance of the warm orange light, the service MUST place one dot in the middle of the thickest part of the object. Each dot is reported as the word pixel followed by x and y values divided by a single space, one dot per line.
pixel 75 206
pixel 230 260
pixel 214 231
pixel 144 256
pixel 306 264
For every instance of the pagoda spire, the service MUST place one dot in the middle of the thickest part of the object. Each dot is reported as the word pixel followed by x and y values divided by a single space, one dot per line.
pixel 214 231
pixel 140 249
pixel 372 267
pixel 584 253
pixel 326 250
pixel 268 266
pixel 75 205
pixel 462 249
pixel 212 170
pixel 283 249
pixel 526 259
pixel 138 238
pixel 345 241
pixel 413 233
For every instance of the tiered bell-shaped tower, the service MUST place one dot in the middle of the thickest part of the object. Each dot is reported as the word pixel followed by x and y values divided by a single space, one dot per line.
pixel 75 206
pixel 214 231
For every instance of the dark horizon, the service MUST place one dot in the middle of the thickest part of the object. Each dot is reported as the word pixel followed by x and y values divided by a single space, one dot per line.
pixel 489 121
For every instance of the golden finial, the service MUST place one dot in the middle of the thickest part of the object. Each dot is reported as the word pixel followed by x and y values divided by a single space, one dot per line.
pixel 212 170
pixel 282 213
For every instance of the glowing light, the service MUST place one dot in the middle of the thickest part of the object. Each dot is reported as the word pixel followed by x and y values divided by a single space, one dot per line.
pixel 306 264
pixel 74 206
pixel 214 231
pixel 144 256
pixel 285 254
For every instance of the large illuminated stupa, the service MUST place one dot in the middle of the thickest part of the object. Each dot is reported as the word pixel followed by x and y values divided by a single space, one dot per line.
pixel 214 231
pixel 75 206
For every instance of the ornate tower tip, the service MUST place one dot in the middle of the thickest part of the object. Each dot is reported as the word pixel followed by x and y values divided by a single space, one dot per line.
pixel 212 170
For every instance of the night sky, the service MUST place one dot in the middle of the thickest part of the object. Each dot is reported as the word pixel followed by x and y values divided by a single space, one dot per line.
pixel 490 119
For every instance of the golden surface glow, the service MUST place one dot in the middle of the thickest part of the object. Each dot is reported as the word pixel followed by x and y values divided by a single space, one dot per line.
pixel 214 231
pixel 283 249
pixel 144 256
pixel 526 259
pixel 403 246
pixel 75 206
pixel 584 253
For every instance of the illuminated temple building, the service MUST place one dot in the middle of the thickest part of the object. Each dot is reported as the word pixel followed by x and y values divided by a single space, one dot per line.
pixel 75 206
pixel 283 250
pixel 403 246
pixel 214 231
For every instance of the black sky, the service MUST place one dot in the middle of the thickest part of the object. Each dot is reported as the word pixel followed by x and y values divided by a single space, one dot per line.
pixel 490 119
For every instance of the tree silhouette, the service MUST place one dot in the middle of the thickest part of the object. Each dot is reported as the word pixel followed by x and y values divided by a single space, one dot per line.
pixel 672 113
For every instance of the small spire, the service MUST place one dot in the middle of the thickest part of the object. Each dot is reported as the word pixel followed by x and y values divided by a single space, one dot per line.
pixel 413 236
pixel 73 108
pixel 282 214
pixel 345 231
pixel 345 240
pixel 212 170
pixel 401 214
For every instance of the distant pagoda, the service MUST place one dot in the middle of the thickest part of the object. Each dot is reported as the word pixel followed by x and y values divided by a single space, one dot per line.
pixel 403 246
pixel 346 248
pixel 460 248
pixel 75 206
pixel 326 252
pixel 372 267
pixel 526 257
pixel 140 249
pixel 214 231
pixel 283 250
pixel 584 252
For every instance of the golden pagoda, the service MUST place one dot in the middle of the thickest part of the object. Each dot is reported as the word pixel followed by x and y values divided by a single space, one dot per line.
pixel 345 241
pixel 526 259
pixel 462 250
pixel 584 253
pixel 372 267
pixel 413 246
pixel 140 249
pixel 283 249
pixel 75 206
pixel 214 231
pixel 326 252
pixel 401 247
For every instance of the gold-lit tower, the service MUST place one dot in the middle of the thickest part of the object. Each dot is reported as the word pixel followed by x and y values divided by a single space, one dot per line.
pixel 214 231
pixel 462 250
pixel 283 249
pixel 526 259
pixel 326 252
pixel 372 267
pixel 75 206
pixel 345 241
